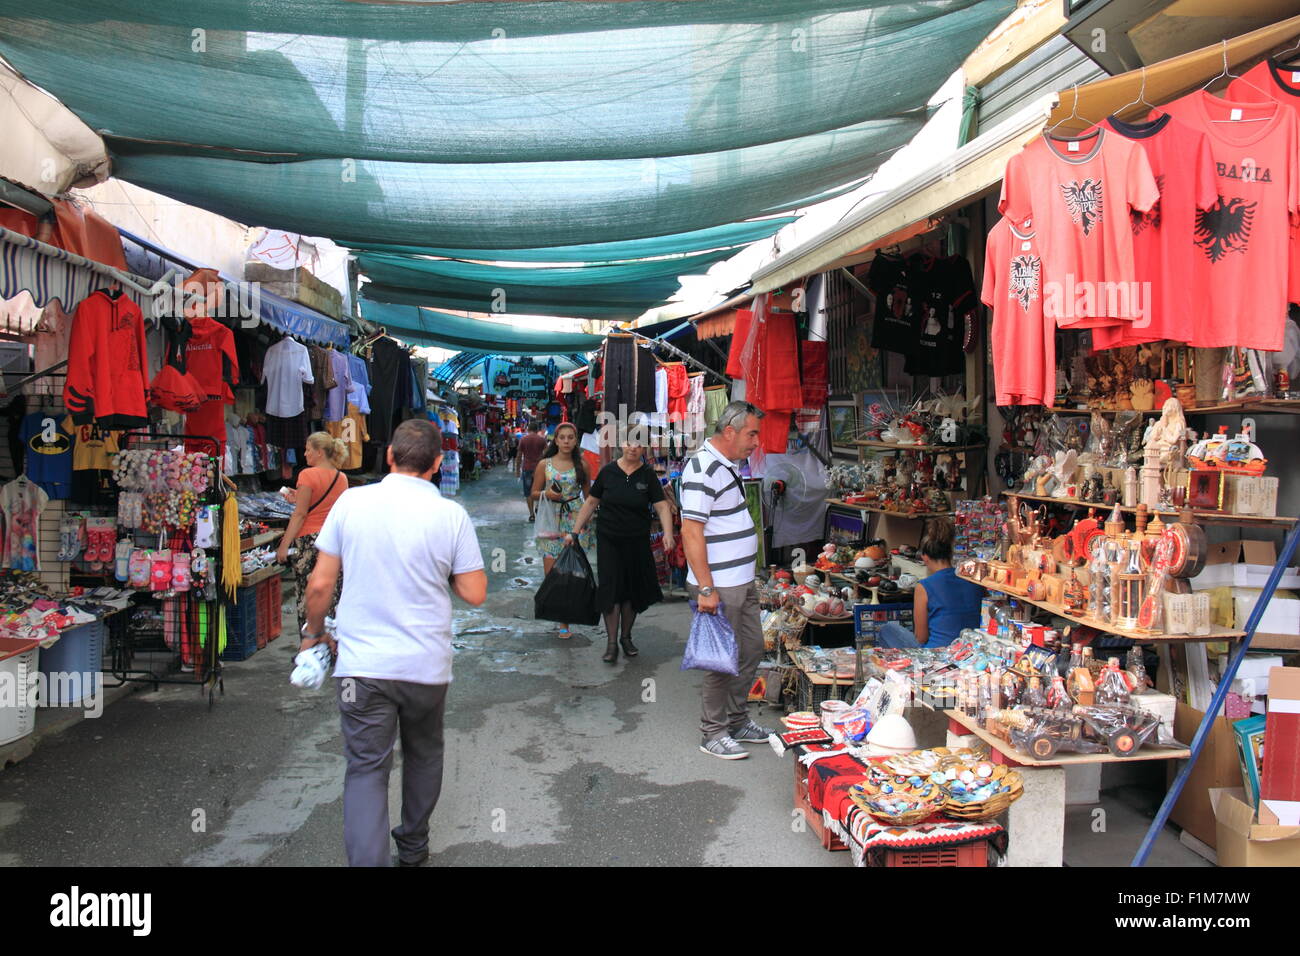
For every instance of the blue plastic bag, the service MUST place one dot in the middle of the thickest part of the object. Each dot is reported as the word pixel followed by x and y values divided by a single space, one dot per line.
pixel 712 644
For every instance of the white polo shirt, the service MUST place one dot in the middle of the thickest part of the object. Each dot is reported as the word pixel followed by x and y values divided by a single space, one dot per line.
pixel 399 541
pixel 713 493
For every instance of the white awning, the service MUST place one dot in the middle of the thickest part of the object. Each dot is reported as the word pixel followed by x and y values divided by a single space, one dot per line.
pixel 46 147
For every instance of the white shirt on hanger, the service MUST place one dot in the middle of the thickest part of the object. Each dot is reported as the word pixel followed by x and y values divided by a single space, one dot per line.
pixel 286 368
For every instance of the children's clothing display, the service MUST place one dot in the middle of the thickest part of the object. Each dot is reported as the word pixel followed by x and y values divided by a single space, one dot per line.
pixel 47 445
pixel 21 502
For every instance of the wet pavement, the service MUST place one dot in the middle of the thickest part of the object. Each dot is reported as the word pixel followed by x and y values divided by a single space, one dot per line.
pixel 553 757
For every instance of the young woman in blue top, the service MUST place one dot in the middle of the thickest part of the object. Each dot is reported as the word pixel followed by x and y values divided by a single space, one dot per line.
pixel 944 603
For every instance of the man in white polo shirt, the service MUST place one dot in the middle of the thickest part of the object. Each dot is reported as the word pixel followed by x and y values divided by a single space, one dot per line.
pixel 721 546
pixel 404 548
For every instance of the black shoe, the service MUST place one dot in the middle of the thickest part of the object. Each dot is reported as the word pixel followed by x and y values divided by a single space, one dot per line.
pixel 418 862
pixel 532 519
pixel 611 652
pixel 628 647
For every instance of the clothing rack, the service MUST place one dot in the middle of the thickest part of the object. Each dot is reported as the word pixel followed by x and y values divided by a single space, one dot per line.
pixel 125 278
pixel 659 343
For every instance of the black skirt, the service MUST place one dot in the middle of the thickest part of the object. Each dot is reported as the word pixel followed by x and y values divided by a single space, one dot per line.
pixel 625 571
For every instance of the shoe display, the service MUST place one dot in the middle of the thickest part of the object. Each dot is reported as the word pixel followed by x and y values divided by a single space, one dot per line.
pixel 724 748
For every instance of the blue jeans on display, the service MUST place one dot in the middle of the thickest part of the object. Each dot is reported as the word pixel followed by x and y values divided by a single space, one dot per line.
pixel 893 634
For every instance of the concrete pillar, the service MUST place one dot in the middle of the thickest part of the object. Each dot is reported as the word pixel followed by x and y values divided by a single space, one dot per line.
pixel 1036 822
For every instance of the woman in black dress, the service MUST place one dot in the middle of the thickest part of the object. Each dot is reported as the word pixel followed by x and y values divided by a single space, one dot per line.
pixel 627 583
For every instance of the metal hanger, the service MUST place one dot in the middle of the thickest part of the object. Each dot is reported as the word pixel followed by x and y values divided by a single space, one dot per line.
pixel 1225 74
pixel 1074 114
pixel 1142 97
pixel 1287 56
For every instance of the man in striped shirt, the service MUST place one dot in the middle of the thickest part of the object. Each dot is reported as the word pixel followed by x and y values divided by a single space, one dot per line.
pixel 721 546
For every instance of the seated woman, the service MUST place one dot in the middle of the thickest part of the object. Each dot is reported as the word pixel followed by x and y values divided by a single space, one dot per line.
pixel 944 604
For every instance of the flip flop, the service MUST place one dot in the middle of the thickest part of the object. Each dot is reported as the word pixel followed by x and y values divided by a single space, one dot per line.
pixel 565 634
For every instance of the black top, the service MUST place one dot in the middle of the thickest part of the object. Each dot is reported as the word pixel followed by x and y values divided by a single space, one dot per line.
pixel 625 500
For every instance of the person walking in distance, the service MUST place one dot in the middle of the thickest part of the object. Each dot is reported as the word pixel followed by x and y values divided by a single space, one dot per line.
pixel 562 479
pixel 721 545
pixel 531 449
pixel 625 490
pixel 403 550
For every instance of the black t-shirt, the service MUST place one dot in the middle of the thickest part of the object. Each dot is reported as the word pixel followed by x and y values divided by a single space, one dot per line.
pixel 892 328
pixel 625 500
pixel 943 292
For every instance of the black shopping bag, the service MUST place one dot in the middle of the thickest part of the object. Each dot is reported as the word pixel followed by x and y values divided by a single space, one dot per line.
pixel 568 593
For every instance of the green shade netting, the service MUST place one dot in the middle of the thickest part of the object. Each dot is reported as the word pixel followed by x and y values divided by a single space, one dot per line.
pixel 427 327
pixel 594 291
pixel 730 236
pixel 395 82
pixel 492 125
pixel 522 205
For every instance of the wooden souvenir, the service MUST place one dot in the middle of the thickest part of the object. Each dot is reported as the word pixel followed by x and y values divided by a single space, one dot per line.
pixel 1205 490
pixel 1055 589
pixel 1081 687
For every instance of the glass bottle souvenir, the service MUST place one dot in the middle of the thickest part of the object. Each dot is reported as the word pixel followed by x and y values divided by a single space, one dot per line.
pixel 1112 690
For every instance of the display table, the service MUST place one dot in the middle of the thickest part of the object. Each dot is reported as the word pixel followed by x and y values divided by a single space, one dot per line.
pixel 1036 822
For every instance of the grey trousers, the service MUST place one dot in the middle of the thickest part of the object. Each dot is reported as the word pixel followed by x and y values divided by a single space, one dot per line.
pixel 725 699
pixel 373 712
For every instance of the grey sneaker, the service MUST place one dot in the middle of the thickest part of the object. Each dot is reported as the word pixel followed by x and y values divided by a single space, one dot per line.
pixel 724 747
pixel 751 733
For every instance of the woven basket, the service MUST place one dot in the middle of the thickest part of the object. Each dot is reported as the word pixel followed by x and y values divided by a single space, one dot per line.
pixel 994 805
pixel 899 820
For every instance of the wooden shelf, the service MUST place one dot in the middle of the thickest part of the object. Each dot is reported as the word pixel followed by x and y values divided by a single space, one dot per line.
pixel 1201 517
pixel 258 540
pixel 1141 637
pixel 1064 759
pixel 262 574
pixel 883 511
pixel 892 446
pixel 1267 406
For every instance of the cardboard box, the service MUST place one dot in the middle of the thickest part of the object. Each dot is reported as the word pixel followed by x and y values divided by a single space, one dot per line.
pixel 1281 616
pixel 1250 495
pixel 1250 750
pixel 1240 841
pixel 1241 564
pixel 1279 783
pixel 1216 768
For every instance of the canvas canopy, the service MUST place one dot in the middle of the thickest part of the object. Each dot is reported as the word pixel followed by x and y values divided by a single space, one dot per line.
pixel 495 125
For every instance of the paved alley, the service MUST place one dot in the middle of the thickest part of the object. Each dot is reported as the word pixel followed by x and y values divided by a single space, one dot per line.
pixel 553 757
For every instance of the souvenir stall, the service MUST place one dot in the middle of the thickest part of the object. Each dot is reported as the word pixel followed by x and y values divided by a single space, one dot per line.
pixel 1127 525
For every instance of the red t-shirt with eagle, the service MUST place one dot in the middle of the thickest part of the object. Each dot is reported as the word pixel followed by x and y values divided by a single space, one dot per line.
pixel 1246 236
pixel 1079 193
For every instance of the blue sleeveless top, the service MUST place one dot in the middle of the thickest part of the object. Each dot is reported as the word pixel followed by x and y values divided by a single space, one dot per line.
pixel 954 604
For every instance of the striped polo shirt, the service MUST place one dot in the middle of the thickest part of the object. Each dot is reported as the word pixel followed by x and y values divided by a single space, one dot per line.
pixel 711 493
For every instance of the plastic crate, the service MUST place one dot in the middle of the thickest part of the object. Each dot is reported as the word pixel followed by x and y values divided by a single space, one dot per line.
pixel 18 669
pixel 274 607
pixel 263 614
pixel 809 696
pixel 241 626
pixel 71 667
pixel 867 618
pixel 968 854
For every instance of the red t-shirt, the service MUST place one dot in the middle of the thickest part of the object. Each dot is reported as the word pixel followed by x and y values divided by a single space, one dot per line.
pixel 1022 341
pixel 1246 236
pixel 1269 80
pixel 312 484
pixel 531 449
pixel 1163 251
pixel 1079 193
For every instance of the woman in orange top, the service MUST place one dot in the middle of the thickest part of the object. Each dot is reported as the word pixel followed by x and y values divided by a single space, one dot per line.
pixel 319 486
